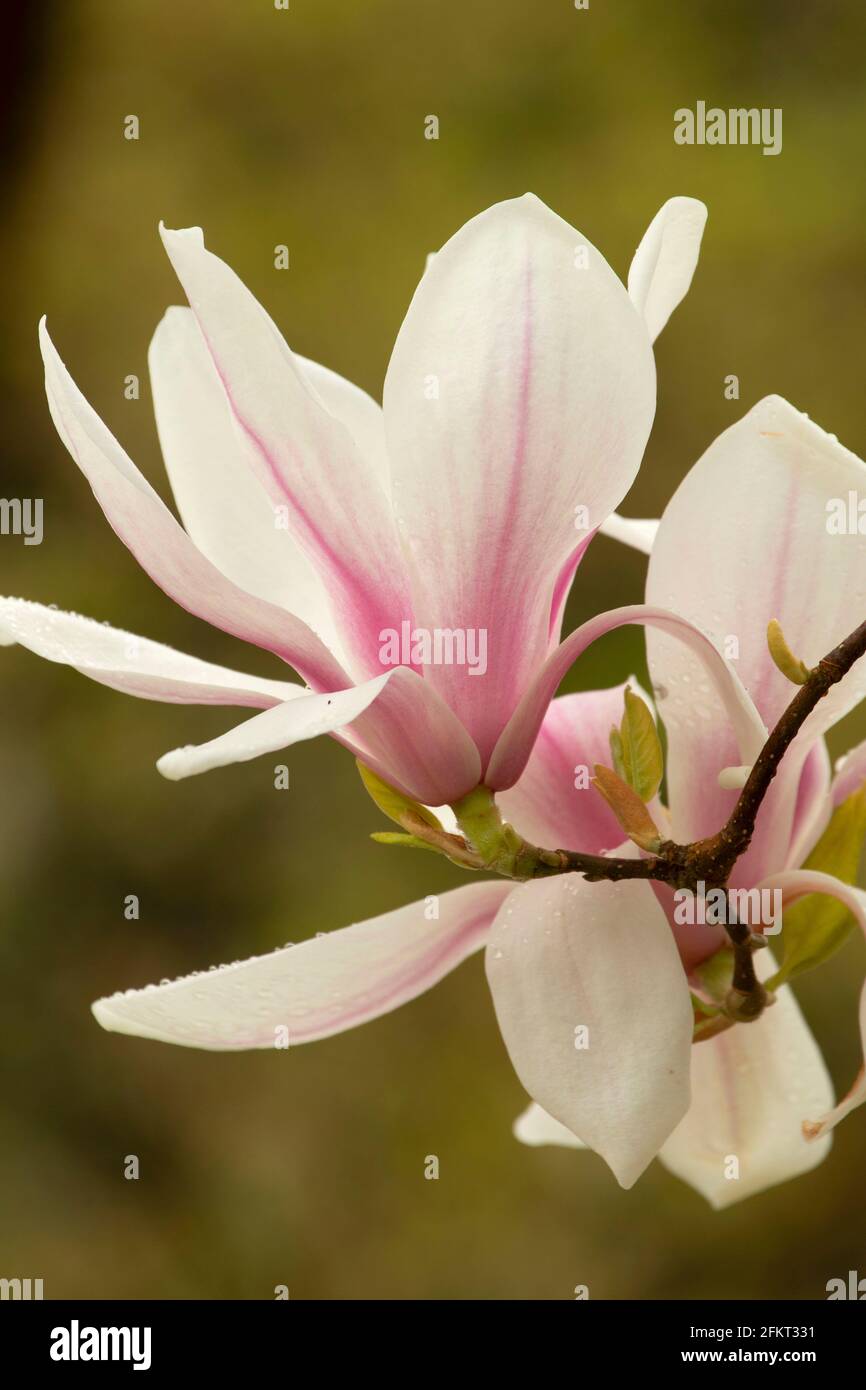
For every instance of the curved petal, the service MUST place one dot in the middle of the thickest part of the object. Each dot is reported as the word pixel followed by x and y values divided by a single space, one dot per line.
pixel 399 727
pixel 412 739
pixel 751 1087
pixel 521 388
pixel 133 664
pixel 814 805
pixel 145 525
pixel 333 982
pixel 665 261
pixel 554 804
pixel 746 539
pixel 305 457
pixel 565 955
pixel 515 745
pixel 639 533
pixel 797 884
pixel 224 508
pixel 280 727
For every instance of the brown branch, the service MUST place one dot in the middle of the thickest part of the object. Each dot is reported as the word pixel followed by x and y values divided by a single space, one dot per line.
pixel 711 861
pixel 737 833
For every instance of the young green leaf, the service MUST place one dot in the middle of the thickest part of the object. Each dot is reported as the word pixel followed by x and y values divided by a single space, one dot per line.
pixel 639 747
pixel 616 753
pixel 816 926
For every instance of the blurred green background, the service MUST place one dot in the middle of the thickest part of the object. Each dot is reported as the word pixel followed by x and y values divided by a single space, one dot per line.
pixel 305 127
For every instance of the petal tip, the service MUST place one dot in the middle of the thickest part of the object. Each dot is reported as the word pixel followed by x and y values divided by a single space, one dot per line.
pixel 104 1015
pixel 170 765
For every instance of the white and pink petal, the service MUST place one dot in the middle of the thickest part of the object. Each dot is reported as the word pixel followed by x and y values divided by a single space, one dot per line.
pixel 297 994
pixel 517 402
pixel 133 664
pixel 517 739
pixel 306 457
pixel 143 522
pixel 395 723
pixel 224 507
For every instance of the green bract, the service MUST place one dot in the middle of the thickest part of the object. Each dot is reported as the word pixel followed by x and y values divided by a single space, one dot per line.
pixel 816 926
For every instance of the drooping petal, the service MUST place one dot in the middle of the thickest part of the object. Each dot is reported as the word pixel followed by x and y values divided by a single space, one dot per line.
pixel 745 539
pixel 850 774
pixel 553 804
pixel 521 390
pixel 399 726
pixel 565 955
pixel 133 664
pixel 751 1087
pixel 665 261
pixel 639 533
pixel 224 508
pixel 327 985
pixel 515 745
pixel 146 526
pixel 305 456
pixel 796 884
pixel 280 727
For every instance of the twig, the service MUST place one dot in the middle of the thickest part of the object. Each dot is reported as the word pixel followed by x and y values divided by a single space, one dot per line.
pixel 711 861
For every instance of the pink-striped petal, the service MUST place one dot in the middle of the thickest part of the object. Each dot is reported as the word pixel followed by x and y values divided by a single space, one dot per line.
pixel 354 408
pixel 395 723
pixel 327 985
pixel 161 546
pixel 796 884
pixel 224 508
pixel 565 956
pixel 521 388
pixel 413 740
pixel 751 1087
pixel 515 745
pixel 665 261
pixel 133 664
pixel 553 804
pixel 305 456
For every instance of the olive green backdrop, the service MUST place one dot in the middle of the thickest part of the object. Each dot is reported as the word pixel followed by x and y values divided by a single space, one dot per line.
pixel 306 127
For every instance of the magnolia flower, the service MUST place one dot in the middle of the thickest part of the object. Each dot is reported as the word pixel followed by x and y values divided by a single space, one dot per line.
pixel 517 404
pixel 743 540
pixel 590 980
